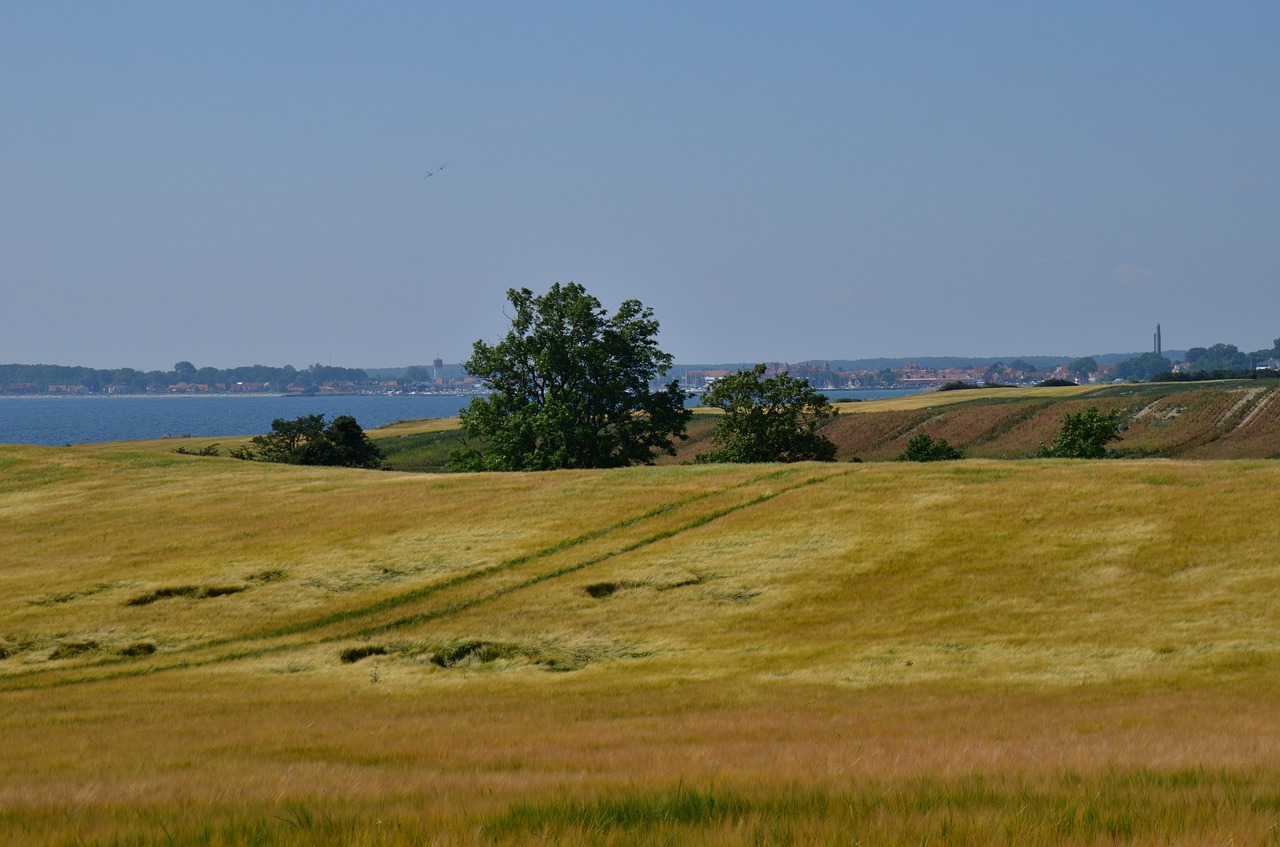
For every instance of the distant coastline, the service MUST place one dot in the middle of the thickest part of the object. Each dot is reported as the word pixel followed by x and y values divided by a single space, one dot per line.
pixel 55 421
pixel 440 379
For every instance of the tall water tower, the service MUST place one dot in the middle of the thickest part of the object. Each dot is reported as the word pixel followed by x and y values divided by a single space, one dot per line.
pixel 437 363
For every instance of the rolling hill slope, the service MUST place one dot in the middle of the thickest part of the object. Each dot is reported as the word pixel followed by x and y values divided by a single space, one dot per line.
pixel 1185 420
pixel 1214 420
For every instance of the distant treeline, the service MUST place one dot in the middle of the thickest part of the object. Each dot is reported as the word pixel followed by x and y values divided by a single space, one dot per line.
pixel 942 362
pixel 879 364
pixel 1047 363
pixel 14 378
pixel 1221 361
pixel 1202 376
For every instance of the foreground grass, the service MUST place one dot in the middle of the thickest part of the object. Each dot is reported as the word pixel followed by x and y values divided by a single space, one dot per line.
pixel 975 652
pixel 1135 807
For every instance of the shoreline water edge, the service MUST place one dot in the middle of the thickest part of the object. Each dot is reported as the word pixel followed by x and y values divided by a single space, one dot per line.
pixel 59 421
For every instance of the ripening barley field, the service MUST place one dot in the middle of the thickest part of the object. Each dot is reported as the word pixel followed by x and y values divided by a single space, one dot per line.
pixel 206 651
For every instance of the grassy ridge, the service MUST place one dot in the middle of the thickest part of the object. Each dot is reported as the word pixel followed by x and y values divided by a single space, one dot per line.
pixel 1216 420
pixel 976 652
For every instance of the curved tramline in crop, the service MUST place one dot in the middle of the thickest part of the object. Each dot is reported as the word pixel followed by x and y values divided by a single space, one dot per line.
pixel 459 593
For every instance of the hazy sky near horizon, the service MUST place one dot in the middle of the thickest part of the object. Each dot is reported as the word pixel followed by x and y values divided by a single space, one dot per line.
pixel 232 183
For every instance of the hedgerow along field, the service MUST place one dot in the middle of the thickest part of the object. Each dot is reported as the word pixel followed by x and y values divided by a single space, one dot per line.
pixel 206 651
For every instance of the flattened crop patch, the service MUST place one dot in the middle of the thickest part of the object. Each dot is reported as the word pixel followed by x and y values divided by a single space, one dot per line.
pixel 194 592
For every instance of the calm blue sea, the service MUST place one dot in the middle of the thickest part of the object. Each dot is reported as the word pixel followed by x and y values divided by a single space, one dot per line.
pixel 84 420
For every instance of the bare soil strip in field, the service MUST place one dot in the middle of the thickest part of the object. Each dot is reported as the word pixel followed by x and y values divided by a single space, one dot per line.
pixel 1258 407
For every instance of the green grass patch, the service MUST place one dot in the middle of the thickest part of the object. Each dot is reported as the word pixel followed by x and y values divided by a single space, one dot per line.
pixel 426 452
pixel 1124 807
pixel 1144 806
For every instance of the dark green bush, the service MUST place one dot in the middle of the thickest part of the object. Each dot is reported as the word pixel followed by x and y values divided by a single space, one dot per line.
pixel 1085 435
pixel 307 441
pixel 355 654
pixel 208 450
pixel 923 448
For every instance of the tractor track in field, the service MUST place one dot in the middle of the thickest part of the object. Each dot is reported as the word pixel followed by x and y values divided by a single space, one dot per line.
pixel 454 595
pixel 1236 418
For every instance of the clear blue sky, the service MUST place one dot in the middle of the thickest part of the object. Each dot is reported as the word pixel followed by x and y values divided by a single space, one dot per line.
pixel 233 183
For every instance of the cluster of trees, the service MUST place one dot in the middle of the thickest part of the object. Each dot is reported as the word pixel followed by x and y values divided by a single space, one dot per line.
pixel 43 376
pixel 1083 368
pixel 996 370
pixel 1142 368
pixel 308 441
pixel 1221 361
pixel 573 387
pixel 1200 376
pixel 1227 357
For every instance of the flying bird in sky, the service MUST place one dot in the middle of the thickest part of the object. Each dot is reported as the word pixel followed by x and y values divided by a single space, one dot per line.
pixel 436 171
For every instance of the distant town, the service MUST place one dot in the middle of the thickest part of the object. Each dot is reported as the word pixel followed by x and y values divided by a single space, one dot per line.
pixel 185 378
pixel 926 373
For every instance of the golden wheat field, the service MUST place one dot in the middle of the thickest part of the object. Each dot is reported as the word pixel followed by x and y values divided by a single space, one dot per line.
pixel 205 651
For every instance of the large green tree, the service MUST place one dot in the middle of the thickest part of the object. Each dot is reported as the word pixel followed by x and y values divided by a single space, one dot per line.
pixel 1085 435
pixel 768 419
pixel 923 448
pixel 571 388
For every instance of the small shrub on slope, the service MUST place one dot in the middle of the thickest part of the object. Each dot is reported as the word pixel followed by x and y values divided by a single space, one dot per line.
pixel 1085 435
pixel 922 448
